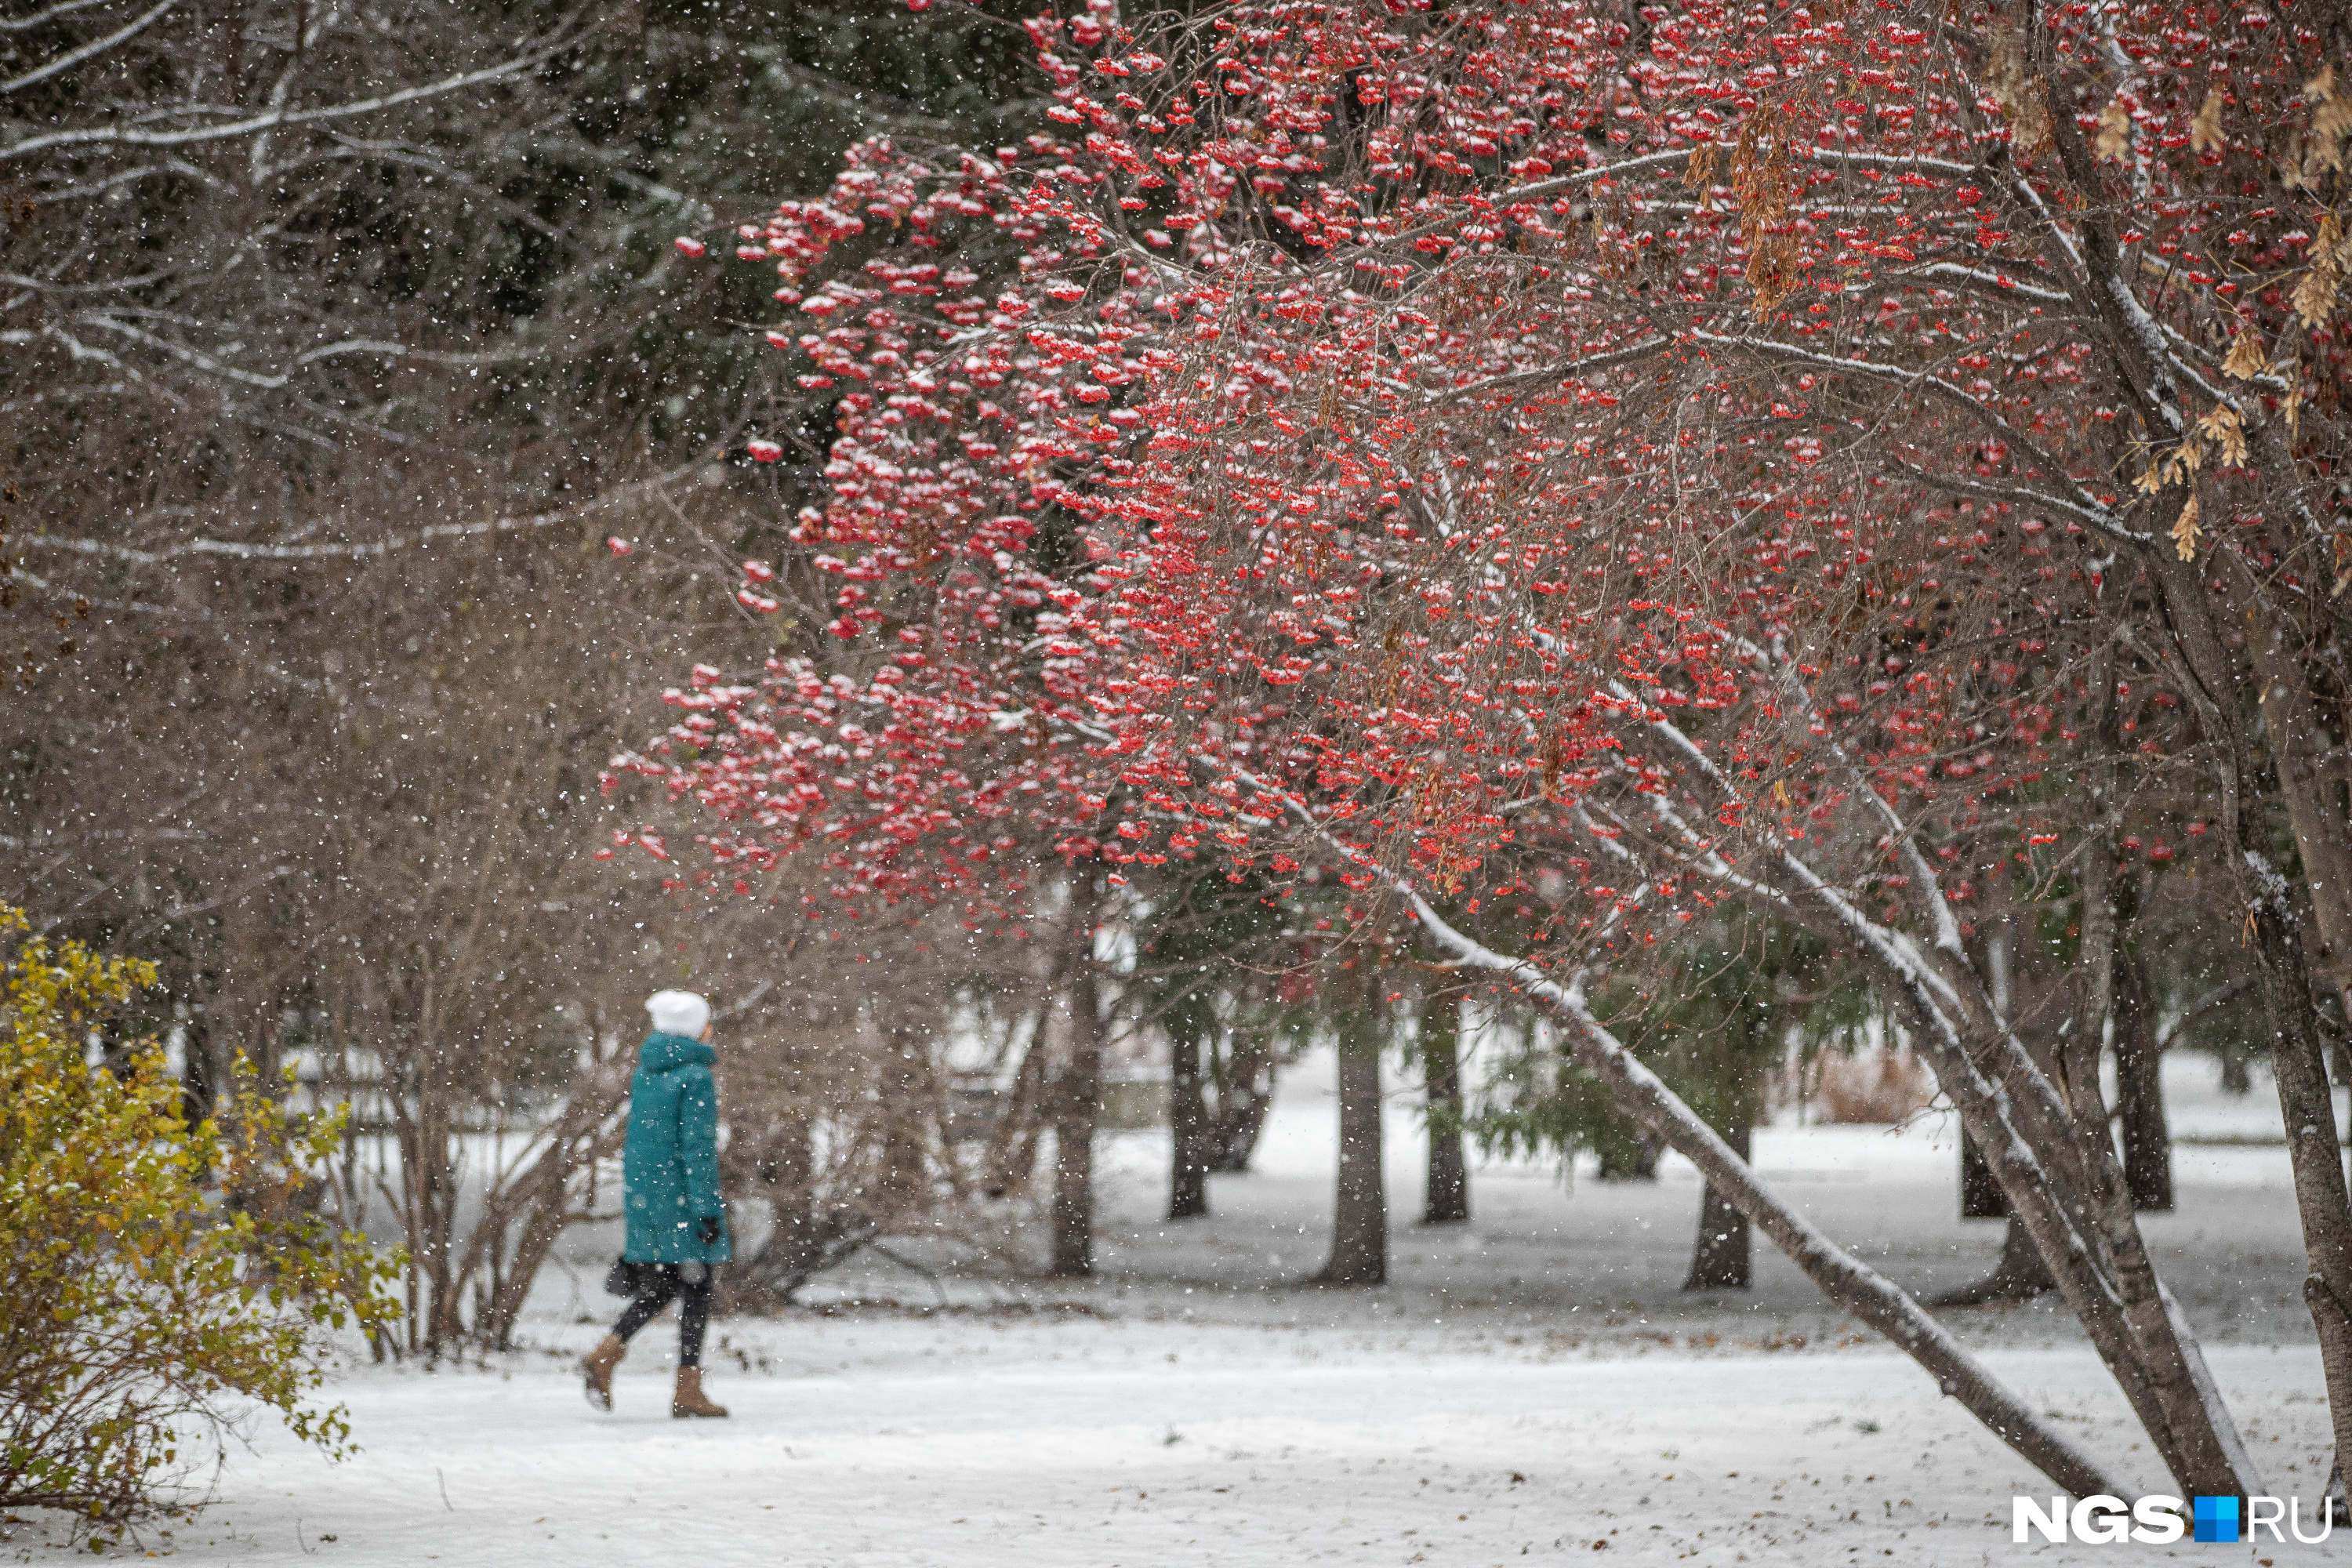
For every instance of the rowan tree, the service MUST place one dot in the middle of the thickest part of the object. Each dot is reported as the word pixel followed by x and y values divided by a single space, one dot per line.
pixel 1592 472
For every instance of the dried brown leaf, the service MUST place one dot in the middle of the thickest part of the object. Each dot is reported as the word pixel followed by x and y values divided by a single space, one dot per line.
pixel 2221 428
pixel 2205 131
pixel 2020 96
pixel 1701 166
pixel 2113 143
pixel 2185 529
pixel 2245 359
pixel 2314 294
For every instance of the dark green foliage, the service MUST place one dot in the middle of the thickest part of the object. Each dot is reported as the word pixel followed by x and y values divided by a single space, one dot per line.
pixel 1714 1019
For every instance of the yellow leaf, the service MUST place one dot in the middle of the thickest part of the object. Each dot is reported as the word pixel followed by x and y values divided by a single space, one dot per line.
pixel 2149 482
pixel 2184 529
pixel 2205 131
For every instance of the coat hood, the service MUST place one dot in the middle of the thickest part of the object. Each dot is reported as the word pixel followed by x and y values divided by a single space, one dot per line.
pixel 666 1053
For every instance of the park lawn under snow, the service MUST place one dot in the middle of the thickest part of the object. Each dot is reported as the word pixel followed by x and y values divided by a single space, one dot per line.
pixel 1527 1386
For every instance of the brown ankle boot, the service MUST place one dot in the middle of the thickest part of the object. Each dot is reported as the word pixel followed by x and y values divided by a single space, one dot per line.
pixel 596 1371
pixel 688 1400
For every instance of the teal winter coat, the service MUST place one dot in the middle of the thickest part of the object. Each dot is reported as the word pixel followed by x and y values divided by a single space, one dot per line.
pixel 669 1166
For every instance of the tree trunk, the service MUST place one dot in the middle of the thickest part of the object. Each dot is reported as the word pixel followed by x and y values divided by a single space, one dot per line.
pixel 199 1074
pixel 1980 1195
pixel 1360 1231
pixel 1077 1104
pixel 2310 784
pixel 1446 1199
pixel 2237 1070
pixel 908 1097
pixel 1187 1128
pixel 1631 1159
pixel 1245 1089
pixel 2274 929
pixel 1012 1161
pixel 1724 1258
pixel 2139 1091
pixel 2020 1276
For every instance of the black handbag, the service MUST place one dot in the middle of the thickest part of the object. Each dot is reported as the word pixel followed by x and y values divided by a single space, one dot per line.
pixel 625 1277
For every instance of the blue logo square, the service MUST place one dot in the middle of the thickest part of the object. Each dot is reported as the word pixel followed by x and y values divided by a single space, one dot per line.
pixel 2216 1517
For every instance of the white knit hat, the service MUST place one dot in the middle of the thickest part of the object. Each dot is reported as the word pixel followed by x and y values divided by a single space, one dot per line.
pixel 678 1013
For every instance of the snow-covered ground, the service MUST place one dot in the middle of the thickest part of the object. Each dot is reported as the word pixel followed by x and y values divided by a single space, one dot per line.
pixel 1528 1385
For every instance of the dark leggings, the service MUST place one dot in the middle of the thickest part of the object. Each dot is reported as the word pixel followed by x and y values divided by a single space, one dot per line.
pixel 690 1282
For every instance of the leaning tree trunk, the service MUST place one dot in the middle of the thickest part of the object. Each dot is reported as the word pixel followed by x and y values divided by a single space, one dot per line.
pixel 1446 1197
pixel 2045 1137
pixel 1724 1257
pixel 1078 1105
pixel 1876 1300
pixel 1360 1231
pixel 2108 1284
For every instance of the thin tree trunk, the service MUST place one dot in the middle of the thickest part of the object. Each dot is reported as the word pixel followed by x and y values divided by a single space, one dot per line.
pixel 1446 1197
pixel 198 1072
pixel 1724 1257
pixel 1359 1230
pixel 908 1094
pixel 2139 1091
pixel 1012 1161
pixel 2237 1070
pixel 1077 1104
pixel 1188 1131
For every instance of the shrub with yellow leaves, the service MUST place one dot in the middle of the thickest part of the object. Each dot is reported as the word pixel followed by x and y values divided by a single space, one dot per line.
pixel 165 1282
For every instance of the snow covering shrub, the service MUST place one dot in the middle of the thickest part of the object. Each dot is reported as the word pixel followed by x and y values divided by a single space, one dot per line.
pixel 162 1281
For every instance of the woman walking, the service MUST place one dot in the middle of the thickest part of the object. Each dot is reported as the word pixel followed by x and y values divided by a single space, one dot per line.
pixel 670 1174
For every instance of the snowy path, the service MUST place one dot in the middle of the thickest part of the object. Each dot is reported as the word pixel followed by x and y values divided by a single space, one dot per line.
pixel 1155 1445
pixel 1525 1386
